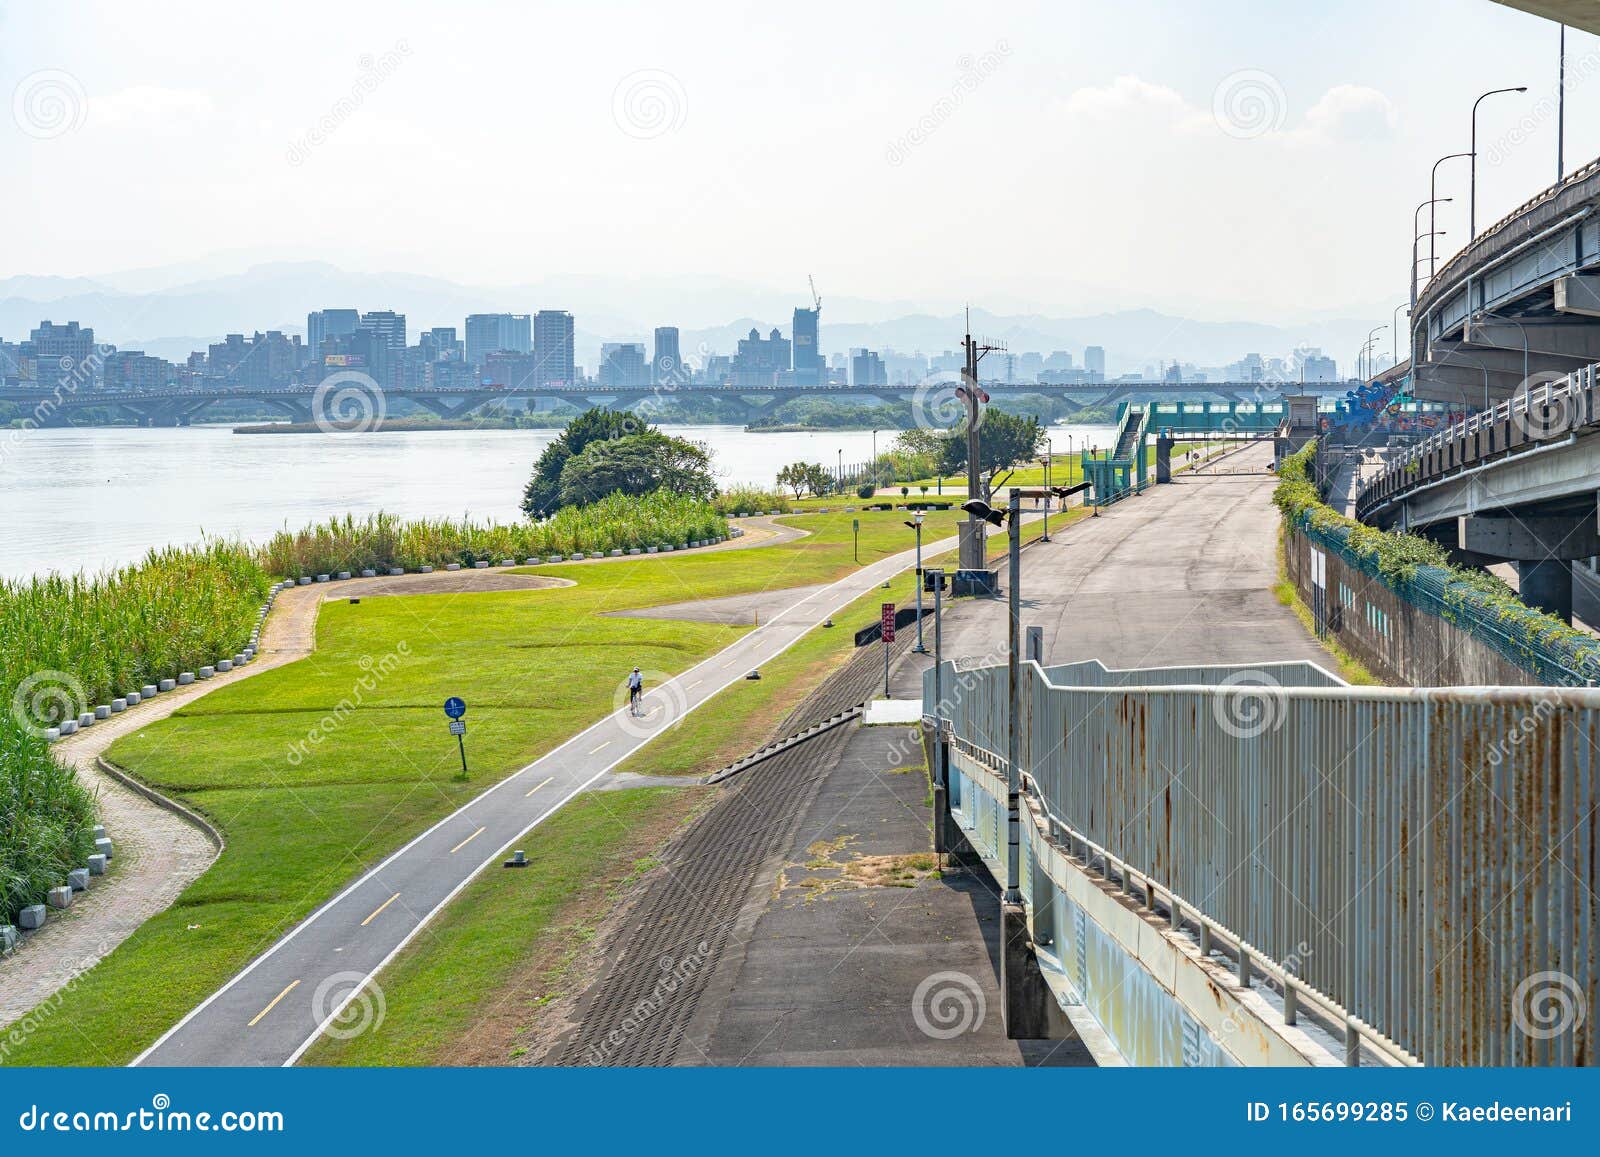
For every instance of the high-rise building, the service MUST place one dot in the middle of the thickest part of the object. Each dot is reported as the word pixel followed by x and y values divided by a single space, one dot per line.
pixel 1094 363
pixel 326 323
pixel 52 342
pixel 488 333
pixel 623 365
pixel 390 328
pixel 760 361
pixel 866 369
pixel 667 368
pixel 552 347
pixel 808 364
pixel 440 344
pixel 510 369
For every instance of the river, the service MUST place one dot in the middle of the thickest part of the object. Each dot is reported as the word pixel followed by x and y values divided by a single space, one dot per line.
pixel 89 498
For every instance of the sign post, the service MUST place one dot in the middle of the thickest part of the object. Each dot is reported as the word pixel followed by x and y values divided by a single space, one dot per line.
pixel 454 709
pixel 886 629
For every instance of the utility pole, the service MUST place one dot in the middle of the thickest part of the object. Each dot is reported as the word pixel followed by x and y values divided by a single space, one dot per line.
pixel 972 552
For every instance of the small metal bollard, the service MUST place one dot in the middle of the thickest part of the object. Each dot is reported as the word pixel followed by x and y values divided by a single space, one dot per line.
pixel 1291 1000
pixel 518 859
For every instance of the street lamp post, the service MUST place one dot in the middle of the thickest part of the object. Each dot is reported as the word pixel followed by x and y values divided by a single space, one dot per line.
pixel 916 525
pixel 1416 228
pixel 1372 338
pixel 1013 893
pixel 838 486
pixel 1433 193
pixel 874 463
pixel 1049 453
pixel 1472 197
pixel 1394 331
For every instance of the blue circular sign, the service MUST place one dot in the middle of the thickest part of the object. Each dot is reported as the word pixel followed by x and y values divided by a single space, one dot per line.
pixel 454 707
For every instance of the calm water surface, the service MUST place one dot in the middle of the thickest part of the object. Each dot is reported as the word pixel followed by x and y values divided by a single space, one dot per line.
pixel 92 498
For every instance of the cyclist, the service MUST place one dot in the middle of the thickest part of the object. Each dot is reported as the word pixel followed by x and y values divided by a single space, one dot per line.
pixel 635 690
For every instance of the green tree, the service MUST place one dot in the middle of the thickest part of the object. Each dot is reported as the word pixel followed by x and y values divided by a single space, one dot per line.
pixel 542 496
pixel 796 476
pixel 1004 440
pixel 636 465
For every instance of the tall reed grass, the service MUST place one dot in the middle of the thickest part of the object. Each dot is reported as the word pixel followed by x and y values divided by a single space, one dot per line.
pixel 46 820
pixel 379 541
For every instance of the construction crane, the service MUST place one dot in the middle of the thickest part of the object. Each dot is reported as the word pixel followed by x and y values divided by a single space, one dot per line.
pixel 816 302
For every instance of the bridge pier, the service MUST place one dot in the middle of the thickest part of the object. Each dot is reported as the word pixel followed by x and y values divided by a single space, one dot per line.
pixel 1546 585
pixel 1542 546
pixel 1164 445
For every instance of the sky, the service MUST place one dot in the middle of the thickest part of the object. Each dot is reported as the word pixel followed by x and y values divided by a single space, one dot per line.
pixel 1236 160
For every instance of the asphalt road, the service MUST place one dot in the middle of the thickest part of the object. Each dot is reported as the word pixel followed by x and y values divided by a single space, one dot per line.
pixel 318 976
pixel 1179 574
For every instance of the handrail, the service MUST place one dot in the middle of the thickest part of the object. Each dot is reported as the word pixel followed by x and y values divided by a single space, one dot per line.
pixel 1212 934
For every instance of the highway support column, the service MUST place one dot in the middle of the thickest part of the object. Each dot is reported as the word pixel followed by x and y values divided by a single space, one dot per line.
pixel 1542 545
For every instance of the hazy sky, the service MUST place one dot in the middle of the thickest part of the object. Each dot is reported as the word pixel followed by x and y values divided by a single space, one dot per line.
pixel 1232 160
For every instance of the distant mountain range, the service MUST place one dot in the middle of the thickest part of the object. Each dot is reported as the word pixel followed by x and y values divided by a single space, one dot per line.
pixel 171 312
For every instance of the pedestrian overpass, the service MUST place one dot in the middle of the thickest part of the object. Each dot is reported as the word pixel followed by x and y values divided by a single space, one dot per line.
pixel 1125 468
pixel 1266 866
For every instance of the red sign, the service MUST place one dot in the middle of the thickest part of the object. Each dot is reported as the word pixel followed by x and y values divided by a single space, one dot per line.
pixel 886 623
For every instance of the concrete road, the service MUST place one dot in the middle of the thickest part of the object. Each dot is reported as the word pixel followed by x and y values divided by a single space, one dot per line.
pixel 273 1010
pixel 1179 574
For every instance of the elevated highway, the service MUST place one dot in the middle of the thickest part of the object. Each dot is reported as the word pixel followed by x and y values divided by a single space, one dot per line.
pixel 1520 304
pixel 1518 482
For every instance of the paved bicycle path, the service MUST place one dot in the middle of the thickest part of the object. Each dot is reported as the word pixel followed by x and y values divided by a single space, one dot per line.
pixel 274 1009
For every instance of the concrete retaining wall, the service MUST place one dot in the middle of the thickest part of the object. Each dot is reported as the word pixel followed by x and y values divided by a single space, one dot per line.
pixel 1396 640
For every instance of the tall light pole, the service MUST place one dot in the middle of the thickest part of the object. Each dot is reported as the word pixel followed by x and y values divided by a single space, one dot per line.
pixel 838 486
pixel 1371 340
pixel 916 525
pixel 1433 194
pixel 1561 107
pixel 1472 199
pixel 874 463
pixel 1394 331
pixel 1416 228
pixel 1049 453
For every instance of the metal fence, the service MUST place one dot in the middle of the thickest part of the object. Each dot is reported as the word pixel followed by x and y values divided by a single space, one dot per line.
pixel 1426 857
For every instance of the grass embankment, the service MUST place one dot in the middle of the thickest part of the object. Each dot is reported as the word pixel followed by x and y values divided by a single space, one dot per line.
pixel 302 815
pixel 46 820
pixel 478 978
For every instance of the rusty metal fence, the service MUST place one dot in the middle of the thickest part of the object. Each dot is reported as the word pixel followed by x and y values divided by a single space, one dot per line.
pixel 1426 857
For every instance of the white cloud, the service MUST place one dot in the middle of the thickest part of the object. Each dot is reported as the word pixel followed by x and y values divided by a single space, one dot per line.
pixel 1351 112
pixel 152 108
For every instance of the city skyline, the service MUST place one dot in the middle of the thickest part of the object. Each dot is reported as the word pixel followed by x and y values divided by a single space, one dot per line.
pixel 1307 127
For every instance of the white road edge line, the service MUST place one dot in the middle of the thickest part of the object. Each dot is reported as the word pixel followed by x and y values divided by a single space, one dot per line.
pixel 373 874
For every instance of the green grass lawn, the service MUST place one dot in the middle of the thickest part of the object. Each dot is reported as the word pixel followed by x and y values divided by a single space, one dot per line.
pixel 473 962
pixel 487 964
pixel 301 818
